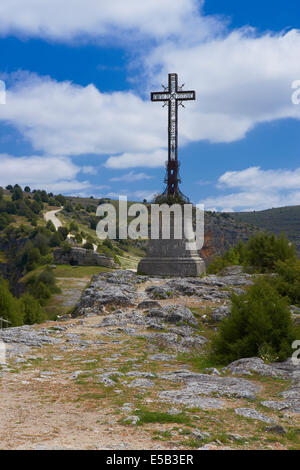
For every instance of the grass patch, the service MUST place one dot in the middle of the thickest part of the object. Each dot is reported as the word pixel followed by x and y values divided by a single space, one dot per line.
pixel 91 396
pixel 199 362
pixel 147 416
pixel 65 270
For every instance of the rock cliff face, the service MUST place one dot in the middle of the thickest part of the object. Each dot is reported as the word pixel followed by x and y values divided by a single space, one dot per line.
pixel 220 232
pixel 82 257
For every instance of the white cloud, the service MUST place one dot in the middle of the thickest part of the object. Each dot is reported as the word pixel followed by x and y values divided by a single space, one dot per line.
pixel 137 195
pixel 63 118
pixel 93 19
pixel 131 160
pixel 55 174
pixel 240 79
pixel 89 170
pixel 131 176
pixel 259 189
pixel 255 178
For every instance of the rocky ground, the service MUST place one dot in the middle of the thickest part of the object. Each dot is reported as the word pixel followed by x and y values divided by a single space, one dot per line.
pixel 128 371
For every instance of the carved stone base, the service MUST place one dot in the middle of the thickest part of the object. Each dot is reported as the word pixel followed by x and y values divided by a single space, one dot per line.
pixel 173 256
pixel 181 267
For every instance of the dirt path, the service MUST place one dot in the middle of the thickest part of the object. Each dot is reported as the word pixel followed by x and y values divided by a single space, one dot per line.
pixel 51 215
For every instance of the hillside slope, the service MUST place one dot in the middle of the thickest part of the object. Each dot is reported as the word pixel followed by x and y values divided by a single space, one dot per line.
pixel 279 220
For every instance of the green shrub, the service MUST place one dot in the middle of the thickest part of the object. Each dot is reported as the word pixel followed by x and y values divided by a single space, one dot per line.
pixel 10 307
pixel 33 312
pixel 88 246
pixel 73 228
pixel 66 247
pixel 56 239
pixel 63 231
pixel 108 252
pixel 78 238
pixel 42 287
pixel 259 320
pixel 108 243
pixel 261 253
pixel 50 226
pixel 287 281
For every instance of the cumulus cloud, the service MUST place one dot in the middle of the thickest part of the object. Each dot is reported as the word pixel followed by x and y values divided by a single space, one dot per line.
pixel 131 160
pixel 55 174
pixel 93 19
pixel 255 178
pixel 64 118
pixel 258 189
pixel 133 195
pixel 240 79
pixel 131 176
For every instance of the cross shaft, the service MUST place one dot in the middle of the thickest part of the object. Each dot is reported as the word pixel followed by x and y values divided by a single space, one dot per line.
pixel 173 96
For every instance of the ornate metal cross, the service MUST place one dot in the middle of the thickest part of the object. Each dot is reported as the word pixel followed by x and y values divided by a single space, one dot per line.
pixel 173 96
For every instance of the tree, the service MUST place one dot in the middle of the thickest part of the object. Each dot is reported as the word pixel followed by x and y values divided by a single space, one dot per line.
pixel 88 246
pixel 40 241
pixel 68 207
pixel 27 189
pixel 37 197
pixel 78 238
pixel 261 253
pixel 64 232
pixel 33 311
pixel 50 226
pixel 287 281
pixel 264 250
pixel 56 239
pixel 10 307
pixel 73 227
pixel 17 193
pixel 61 199
pixel 260 320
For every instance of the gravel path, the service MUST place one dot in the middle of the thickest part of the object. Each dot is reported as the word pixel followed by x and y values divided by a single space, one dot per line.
pixel 51 215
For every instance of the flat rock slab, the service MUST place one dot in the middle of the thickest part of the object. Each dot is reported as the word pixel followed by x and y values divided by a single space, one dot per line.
pixel 172 314
pixel 162 357
pixel 254 414
pixel 292 406
pixel 112 288
pixel 27 336
pixel 204 384
pixel 275 405
pixel 256 365
pixel 189 398
pixel 141 383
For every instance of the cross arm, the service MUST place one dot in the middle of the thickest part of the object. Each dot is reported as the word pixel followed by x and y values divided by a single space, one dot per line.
pixel 159 96
pixel 186 95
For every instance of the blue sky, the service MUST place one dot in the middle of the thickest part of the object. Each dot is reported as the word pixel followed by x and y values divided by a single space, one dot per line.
pixel 78 118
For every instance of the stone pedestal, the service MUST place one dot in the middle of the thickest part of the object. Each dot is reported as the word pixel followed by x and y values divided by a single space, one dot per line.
pixel 171 258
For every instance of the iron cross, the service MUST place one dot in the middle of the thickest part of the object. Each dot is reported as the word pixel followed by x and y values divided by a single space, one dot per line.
pixel 173 96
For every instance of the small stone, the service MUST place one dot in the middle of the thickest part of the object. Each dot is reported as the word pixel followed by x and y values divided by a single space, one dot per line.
pixel 132 419
pixel 212 371
pixel 276 428
pixel 199 435
pixel 141 383
pixel 76 374
pixel 254 414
